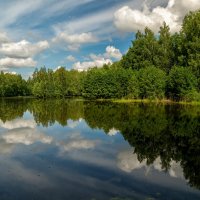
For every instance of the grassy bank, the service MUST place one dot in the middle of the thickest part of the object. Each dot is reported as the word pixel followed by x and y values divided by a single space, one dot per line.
pixel 156 101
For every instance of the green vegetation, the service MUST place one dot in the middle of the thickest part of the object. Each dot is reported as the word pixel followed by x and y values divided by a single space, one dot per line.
pixel 162 66
pixel 12 85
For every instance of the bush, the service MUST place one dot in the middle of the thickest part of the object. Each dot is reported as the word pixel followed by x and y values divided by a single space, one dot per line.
pixel 192 95
pixel 152 83
pixel 106 82
pixel 133 87
pixel 181 82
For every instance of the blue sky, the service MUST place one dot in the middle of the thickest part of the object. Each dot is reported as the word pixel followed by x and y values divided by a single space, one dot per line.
pixel 78 34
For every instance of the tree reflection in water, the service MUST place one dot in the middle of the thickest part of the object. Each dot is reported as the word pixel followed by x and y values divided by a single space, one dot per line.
pixel 168 132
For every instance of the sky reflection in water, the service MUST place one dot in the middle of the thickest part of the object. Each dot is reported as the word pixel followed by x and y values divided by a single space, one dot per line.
pixel 77 150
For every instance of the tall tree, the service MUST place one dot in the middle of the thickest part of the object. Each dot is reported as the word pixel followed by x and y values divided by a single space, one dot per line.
pixel 143 52
pixel 165 61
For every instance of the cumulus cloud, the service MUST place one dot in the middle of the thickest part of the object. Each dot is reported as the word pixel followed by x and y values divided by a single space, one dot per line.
pixel 18 123
pixel 23 49
pixel 99 60
pixel 20 54
pixel 7 62
pixel 26 136
pixel 71 58
pixel 128 162
pixel 74 41
pixel 84 66
pixel 112 52
pixel 128 19
pixel 174 171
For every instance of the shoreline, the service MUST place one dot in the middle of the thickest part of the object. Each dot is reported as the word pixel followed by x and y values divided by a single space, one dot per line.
pixel 145 101
pixel 156 101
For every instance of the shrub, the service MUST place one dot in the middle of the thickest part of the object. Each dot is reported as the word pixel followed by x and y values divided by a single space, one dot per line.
pixel 152 82
pixel 181 82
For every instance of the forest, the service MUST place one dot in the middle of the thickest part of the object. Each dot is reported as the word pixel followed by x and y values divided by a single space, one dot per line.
pixel 156 66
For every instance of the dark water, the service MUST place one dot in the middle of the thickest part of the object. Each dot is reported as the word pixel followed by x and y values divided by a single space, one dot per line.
pixel 69 149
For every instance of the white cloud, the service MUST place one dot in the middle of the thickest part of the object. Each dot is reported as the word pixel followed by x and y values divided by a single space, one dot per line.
pixel 112 52
pixel 18 123
pixel 128 162
pixel 71 58
pixel 76 38
pixel 19 54
pixel 84 66
pixel 57 68
pixel 74 41
pixel 78 144
pixel 99 60
pixel 23 49
pixel 128 20
pixel 7 62
pixel 113 132
pixel 26 136
pixel 100 22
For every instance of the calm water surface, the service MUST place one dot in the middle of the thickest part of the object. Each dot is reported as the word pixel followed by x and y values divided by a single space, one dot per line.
pixel 76 150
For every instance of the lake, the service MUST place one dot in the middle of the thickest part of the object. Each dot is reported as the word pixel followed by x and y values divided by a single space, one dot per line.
pixel 86 150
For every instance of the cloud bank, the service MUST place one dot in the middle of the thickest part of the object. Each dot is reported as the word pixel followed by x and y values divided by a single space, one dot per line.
pixel 19 54
pixel 131 20
pixel 99 60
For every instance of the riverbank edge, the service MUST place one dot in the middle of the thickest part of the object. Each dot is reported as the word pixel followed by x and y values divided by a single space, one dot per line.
pixel 155 101
pixel 145 101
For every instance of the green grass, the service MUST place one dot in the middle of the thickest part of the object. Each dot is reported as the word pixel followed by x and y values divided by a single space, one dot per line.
pixel 156 101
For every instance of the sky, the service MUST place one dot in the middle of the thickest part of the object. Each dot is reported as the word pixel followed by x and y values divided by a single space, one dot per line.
pixel 78 34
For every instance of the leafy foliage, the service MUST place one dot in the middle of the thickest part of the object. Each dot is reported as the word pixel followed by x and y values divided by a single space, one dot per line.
pixel 181 81
pixel 152 83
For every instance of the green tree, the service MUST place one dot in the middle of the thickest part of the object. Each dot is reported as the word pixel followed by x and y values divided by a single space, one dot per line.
pixel 144 51
pixel 152 83
pixel 181 81
pixel 165 53
pixel 191 41
pixel 133 86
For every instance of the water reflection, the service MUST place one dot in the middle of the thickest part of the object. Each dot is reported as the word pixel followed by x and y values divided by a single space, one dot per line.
pixel 60 149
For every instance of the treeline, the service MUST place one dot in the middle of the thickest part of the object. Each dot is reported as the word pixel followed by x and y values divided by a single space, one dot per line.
pixel 60 83
pixel 155 67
